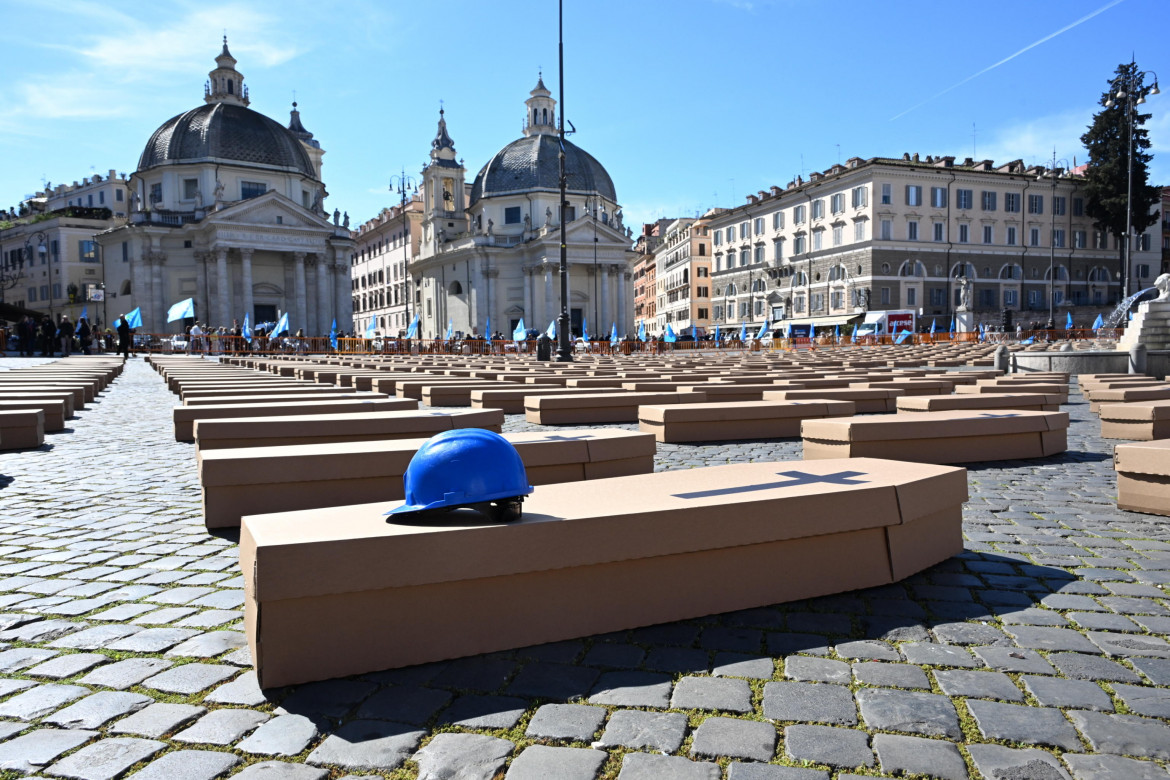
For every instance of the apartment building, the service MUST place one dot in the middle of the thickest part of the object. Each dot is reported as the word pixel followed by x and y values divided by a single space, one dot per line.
pixel 683 278
pixel 385 246
pixel 644 276
pixel 888 233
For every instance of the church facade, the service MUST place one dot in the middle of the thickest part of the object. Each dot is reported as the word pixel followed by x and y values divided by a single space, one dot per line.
pixel 226 208
pixel 490 252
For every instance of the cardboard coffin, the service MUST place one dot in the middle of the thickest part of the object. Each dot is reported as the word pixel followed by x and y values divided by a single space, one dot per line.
pixel 867 401
pixel 82 394
pixel 265 389
pixel 939 437
pixel 1160 392
pixel 1143 476
pixel 186 416
pixel 238 482
pixel 326 394
pixel 1138 421
pixel 723 421
pixel 567 409
pixel 910 386
pixel 456 394
pixel 53 412
pixel 510 400
pixel 1015 387
pixel 65 398
pixel 22 429
pixel 298 429
pixel 634 544
pixel 1031 402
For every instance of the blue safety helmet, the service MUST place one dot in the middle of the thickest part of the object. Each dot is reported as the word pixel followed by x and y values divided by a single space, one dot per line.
pixel 466 467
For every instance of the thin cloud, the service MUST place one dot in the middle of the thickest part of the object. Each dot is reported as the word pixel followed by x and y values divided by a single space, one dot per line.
pixel 1033 140
pixel 1010 57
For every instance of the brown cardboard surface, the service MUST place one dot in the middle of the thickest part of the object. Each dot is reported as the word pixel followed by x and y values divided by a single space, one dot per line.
pixel 22 429
pixel 938 403
pixel 80 396
pixel 1149 457
pixel 1146 493
pixel 186 416
pixel 923 542
pixel 867 401
pixel 65 397
pixel 1143 411
pixel 597 408
pixel 303 398
pixel 929 425
pixel 53 411
pixel 744 410
pixel 1135 430
pixel 948 450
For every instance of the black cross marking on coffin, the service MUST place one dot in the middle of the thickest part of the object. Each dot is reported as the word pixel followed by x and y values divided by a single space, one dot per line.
pixel 988 414
pixel 797 478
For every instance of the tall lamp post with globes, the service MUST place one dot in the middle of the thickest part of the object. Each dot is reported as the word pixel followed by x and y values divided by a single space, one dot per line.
pixel 402 184
pixel 1053 174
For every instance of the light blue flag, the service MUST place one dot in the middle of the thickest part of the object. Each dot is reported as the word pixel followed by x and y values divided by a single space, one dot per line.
pixel 450 330
pixel 369 334
pixel 743 332
pixel 1099 322
pixel 246 330
pixel 134 318
pixel 982 332
pixel 902 337
pixel 552 330
pixel 332 333
pixel 854 337
pixel 1028 340
pixel 584 327
pixel 716 334
pixel 520 332
pixel 932 324
pixel 84 313
pixel 487 328
pixel 641 331
pixel 1068 323
pixel 613 336
pixel 952 329
pixel 412 330
pixel 669 336
pixel 181 310
pixel 281 325
pixel 762 331
pixel 838 333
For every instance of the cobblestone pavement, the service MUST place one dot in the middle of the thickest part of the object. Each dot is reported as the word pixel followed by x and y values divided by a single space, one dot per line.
pixel 1039 653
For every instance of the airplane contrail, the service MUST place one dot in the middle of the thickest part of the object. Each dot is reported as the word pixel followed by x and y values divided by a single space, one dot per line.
pixel 1010 57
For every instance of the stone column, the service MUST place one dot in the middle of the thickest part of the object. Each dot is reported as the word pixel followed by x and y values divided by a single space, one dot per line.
pixel 246 284
pixel 622 283
pixel 224 293
pixel 156 319
pixel 550 310
pixel 606 314
pixel 300 304
pixel 200 286
pixel 325 314
pixel 527 276
pixel 342 295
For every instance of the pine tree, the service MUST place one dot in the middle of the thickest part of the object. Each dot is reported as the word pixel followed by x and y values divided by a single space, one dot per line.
pixel 1108 143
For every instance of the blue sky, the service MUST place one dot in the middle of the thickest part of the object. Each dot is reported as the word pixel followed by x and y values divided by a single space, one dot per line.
pixel 689 104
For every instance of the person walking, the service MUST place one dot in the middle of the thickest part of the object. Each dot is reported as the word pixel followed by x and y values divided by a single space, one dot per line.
pixel 123 328
pixel 84 334
pixel 48 338
pixel 65 332
pixel 27 330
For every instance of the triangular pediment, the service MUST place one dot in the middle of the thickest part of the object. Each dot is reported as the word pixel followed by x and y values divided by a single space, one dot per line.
pixel 269 209
pixel 581 230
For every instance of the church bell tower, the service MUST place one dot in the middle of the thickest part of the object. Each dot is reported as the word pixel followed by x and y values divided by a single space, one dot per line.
pixel 444 202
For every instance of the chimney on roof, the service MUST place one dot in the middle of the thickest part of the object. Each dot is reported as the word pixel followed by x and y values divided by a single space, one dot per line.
pixel 815 176
pixel 968 162
pixel 929 159
pixel 915 157
pixel 906 156
pixel 776 190
pixel 853 162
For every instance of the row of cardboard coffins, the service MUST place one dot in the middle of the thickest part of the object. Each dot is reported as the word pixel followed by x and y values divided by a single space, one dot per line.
pixel 39 398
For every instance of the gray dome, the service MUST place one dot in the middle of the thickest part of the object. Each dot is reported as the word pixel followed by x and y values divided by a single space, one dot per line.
pixel 531 163
pixel 224 131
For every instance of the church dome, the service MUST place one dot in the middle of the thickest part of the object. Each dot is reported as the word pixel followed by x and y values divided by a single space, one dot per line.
pixel 225 132
pixel 531 163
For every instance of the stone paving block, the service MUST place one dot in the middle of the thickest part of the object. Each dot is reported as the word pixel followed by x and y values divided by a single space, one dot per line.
pixel 614 655
pixel 737 771
pixel 9 729
pixel 157 719
pixel 707 693
pixel 806 669
pixel 330 698
pixel 12 686
pixel 661 731
pixel 106 759
pixel 1027 725
pixel 30 752
pixel 41 700
pixel 552 681
pixel 1059 692
pixel 210 618
pixel 152 640
pixel 888 675
pixel 576 722
pixel 188 765
pixel 221 727
pixel 540 762
pixel 1027 764
pixel 189 678
pixel 124 674
pixel 1091 667
pixel 931 757
pixel 476 674
pixel 787 643
pixel 928 714
pixel 827 745
pixel 867 650
pixel 1122 645
pixel 643 766
pixel 22 657
pixel 1104 621
pixel 565 652
pixel 632 689
pixel 977 685
pixel 1014 659
pixel 676 660
pixel 280 770
pixel 1106 767
pixel 809 702
pixel 747 665
pixel 970 634
pixel 470 756
pixel 41 631
pixel 1156 669
pixel 243 690
pixel 404 704
pixel 208 645
pixel 67 665
pixel 719 737
pixel 1045 638
pixel 929 653
pixel 95 711
pixel 1142 700
pixel 284 735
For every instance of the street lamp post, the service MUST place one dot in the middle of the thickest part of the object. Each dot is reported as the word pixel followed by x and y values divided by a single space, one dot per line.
pixel 1053 174
pixel 564 350
pixel 1132 90
pixel 42 248
pixel 405 184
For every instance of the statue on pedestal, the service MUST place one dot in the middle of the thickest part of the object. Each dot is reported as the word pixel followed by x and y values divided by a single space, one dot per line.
pixel 964 294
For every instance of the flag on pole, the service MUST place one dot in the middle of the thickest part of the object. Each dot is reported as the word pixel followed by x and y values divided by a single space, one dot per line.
pixel 932 326
pixel 412 330
pixel 552 330
pixel 450 330
pixel 246 330
pixel 369 334
pixel 762 331
pixel 1099 322
pixel 1068 323
pixel 952 330
pixel 134 318
pixel 281 325
pixel 613 334
pixel 332 332
pixel 902 337
pixel 1028 340
pixel 84 312
pixel 641 331
pixel 487 328
pixel 669 336
pixel 181 310
pixel 584 327
pixel 716 334
pixel 743 332
pixel 854 337
pixel 838 333
pixel 520 332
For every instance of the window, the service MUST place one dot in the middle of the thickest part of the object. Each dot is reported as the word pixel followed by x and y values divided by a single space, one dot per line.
pixel 744 228
pixel 1079 238
pixel 1011 297
pixel 818 208
pixel 759 226
pixel 1058 237
pixel 1078 207
pixel 730 233
pixel 798 215
pixel 987 299
pixel 119 196
pixel 1034 298
pixel 1058 205
pixel 988 201
pixel 156 193
pixel 938 231
pixel 837 299
pixel 965 199
pixel 887 196
pixel 860 197
pixel 859 230
pixel 912 231
pixel 125 252
pixel 89 200
pixel 798 303
pixel 760 253
pixel 1035 204
pixel 87 251
pixel 32 295
pixel 838 231
pixel 190 186
pixel 817 239
pixel 887 230
pixel 818 301
pixel 1011 202
pixel 102 196
pixel 937 296
pixel 718 239
pixel 964 234
pixel 252 189
pixel 1011 235
pixel 1034 237
pixel 512 215
pixel 911 296
pixel 837 203
pixel 913 195
pixel 759 308
pixel 702 314
pixel 1143 271
pixel 798 245
pixel 938 197
pixel 1143 242
pixel 988 234
pixel 885 296
pixel 777 220
pixel 702 250
pixel 743 257
pixel 57 290
pixel 778 250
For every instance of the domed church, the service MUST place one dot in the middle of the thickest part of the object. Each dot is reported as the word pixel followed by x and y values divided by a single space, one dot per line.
pixel 492 249
pixel 226 207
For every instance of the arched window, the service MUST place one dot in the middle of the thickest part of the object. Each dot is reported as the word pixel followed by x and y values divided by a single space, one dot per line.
pixel 546 116
pixel 231 85
pixel 730 288
pixel 455 288
pixel 1061 273
pixel 759 286
pixel 963 269
pixel 125 288
pixel 912 268
pixel 1011 272
pixel 1099 275
pixel 535 117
